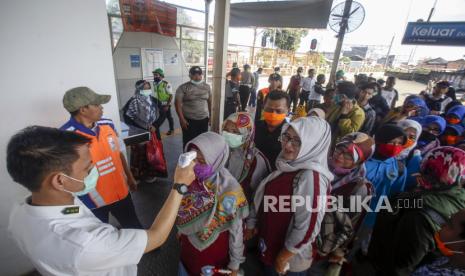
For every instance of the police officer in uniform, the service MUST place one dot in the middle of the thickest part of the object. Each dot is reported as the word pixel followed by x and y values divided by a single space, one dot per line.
pixel 232 97
pixel 163 92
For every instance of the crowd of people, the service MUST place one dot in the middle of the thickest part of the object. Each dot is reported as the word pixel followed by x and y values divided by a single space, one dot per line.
pixel 275 144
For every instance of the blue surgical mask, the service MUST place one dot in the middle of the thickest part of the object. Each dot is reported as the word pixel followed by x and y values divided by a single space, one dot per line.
pixel 337 98
pixel 233 140
pixel 146 92
pixel 196 82
pixel 90 182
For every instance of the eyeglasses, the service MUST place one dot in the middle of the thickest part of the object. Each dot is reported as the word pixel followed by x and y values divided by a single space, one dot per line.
pixel 286 138
pixel 347 156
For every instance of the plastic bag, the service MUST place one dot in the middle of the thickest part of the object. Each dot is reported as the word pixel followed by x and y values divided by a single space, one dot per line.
pixel 155 155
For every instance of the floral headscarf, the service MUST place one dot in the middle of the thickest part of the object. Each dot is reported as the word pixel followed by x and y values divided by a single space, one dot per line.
pixel 210 207
pixel 240 159
pixel 442 168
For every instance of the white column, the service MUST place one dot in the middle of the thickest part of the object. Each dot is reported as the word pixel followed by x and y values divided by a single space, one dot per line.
pixel 221 25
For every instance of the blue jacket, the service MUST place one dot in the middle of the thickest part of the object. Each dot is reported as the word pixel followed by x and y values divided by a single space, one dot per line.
pixel 387 181
pixel 413 167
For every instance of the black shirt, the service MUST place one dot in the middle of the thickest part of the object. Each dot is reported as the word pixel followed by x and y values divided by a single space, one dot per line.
pixel 267 142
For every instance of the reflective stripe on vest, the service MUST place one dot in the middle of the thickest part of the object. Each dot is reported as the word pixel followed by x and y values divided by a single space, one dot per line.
pixel 105 152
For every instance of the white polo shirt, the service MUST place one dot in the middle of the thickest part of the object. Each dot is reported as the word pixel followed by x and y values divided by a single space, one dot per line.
pixel 70 240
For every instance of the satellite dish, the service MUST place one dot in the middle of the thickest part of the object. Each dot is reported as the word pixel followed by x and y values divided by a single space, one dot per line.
pixel 356 17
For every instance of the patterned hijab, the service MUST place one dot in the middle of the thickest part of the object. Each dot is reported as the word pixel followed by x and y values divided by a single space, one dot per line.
pixel 240 159
pixel 210 207
pixel 442 168
pixel 141 109
pixel 362 147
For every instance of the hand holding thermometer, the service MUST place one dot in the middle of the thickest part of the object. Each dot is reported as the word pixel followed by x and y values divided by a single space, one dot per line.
pixel 186 158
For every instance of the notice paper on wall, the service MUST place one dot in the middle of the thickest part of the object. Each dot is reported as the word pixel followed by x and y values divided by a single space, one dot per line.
pixel 171 57
pixel 152 58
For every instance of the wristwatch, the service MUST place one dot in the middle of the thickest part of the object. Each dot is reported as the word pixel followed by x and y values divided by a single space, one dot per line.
pixel 181 188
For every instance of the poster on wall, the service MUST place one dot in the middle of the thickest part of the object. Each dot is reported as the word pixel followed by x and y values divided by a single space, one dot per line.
pixel 148 16
pixel 152 58
pixel 171 57
pixel 135 61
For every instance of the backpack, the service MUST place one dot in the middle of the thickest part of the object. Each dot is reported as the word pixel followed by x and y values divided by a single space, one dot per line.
pixel 123 111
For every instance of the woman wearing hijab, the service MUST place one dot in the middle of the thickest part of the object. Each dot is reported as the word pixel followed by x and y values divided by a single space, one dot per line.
pixel 432 127
pixel 246 163
pixel 285 236
pixel 338 228
pixel 414 106
pixel 410 157
pixel 452 135
pixel 455 115
pixel 142 113
pixel 398 248
pixel 385 172
pixel 318 112
pixel 210 216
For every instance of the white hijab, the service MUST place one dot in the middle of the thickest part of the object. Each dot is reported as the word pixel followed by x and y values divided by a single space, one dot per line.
pixel 315 134
pixel 404 124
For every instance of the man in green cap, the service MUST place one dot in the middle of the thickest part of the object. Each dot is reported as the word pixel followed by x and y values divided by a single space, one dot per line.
pixel 163 92
pixel 111 195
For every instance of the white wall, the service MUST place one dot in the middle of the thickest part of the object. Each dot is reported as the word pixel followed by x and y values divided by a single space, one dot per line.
pixel 131 43
pixel 47 47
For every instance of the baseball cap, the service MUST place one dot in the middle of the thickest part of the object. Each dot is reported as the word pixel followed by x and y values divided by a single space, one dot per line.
pixel 195 70
pixel 78 97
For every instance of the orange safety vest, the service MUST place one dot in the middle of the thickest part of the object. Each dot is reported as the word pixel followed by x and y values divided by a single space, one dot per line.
pixel 105 152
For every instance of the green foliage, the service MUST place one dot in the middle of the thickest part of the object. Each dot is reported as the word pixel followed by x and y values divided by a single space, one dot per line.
pixel 286 39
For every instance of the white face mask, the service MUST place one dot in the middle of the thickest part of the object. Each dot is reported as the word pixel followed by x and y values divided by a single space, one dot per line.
pixel 90 182
pixel 146 92
pixel 196 82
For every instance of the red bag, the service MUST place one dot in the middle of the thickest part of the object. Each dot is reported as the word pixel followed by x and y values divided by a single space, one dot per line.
pixel 155 155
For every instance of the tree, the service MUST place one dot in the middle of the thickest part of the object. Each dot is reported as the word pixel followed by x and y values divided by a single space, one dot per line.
pixel 286 39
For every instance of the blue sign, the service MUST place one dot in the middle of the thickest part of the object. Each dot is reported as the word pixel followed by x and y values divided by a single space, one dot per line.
pixel 135 61
pixel 435 33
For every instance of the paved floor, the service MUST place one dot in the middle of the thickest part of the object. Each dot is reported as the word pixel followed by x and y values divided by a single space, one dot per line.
pixel 149 199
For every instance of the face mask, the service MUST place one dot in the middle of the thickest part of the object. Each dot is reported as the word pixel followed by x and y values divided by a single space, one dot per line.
pixel 157 80
pixel 90 182
pixel 426 137
pixel 453 121
pixel 203 171
pixel 233 140
pixel 410 142
pixel 337 169
pixel 273 119
pixel 146 92
pixel 389 150
pixel 451 139
pixel 196 82
pixel 443 248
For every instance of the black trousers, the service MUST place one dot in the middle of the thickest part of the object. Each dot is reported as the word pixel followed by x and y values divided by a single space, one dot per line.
pixel 244 92
pixel 294 95
pixel 194 129
pixel 169 117
pixel 304 97
pixel 122 210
